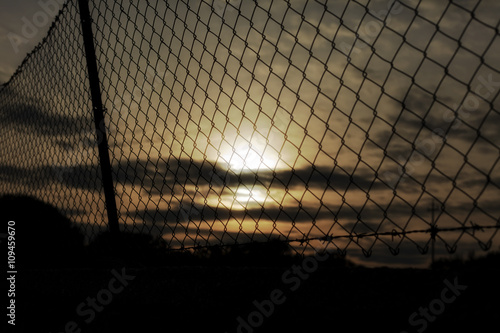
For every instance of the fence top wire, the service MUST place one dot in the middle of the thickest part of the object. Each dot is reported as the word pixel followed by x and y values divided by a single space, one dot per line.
pixel 334 121
pixel 38 46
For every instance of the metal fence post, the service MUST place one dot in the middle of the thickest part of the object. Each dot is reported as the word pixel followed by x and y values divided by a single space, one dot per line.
pixel 95 90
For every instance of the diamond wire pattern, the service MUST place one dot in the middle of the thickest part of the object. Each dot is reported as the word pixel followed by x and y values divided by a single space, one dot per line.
pixel 213 54
pixel 47 135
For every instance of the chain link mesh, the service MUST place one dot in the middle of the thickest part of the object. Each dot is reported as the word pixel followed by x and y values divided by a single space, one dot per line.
pixel 239 121
pixel 47 133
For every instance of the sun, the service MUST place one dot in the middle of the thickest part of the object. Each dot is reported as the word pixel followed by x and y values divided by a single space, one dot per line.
pixel 246 197
pixel 246 157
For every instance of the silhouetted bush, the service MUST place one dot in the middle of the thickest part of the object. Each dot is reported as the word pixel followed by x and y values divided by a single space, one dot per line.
pixel 127 248
pixel 491 259
pixel 46 238
pixel 43 236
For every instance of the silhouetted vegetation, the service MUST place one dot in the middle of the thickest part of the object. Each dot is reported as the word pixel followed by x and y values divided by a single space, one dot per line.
pixel 136 249
pixel 491 259
pixel 218 284
pixel 274 252
pixel 125 248
pixel 44 237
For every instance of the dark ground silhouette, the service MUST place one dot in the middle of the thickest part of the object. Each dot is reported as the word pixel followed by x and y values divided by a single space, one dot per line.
pixel 209 289
pixel 44 237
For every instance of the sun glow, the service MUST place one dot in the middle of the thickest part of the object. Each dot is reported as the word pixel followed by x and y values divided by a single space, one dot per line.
pixel 251 157
pixel 245 196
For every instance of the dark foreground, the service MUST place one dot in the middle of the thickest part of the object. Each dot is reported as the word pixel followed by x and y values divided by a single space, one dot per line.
pixel 211 298
pixel 133 283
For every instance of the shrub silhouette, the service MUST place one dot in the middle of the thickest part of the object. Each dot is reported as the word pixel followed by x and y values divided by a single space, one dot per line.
pixel 126 248
pixel 43 236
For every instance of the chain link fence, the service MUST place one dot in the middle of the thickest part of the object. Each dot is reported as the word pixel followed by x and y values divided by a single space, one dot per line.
pixel 369 124
pixel 47 135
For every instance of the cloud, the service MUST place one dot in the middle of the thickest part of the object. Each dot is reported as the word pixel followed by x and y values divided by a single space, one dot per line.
pixel 36 178
pixel 34 118
pixel 152 174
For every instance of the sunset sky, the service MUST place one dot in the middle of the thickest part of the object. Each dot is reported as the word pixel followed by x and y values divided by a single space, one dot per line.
pixel 284 119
